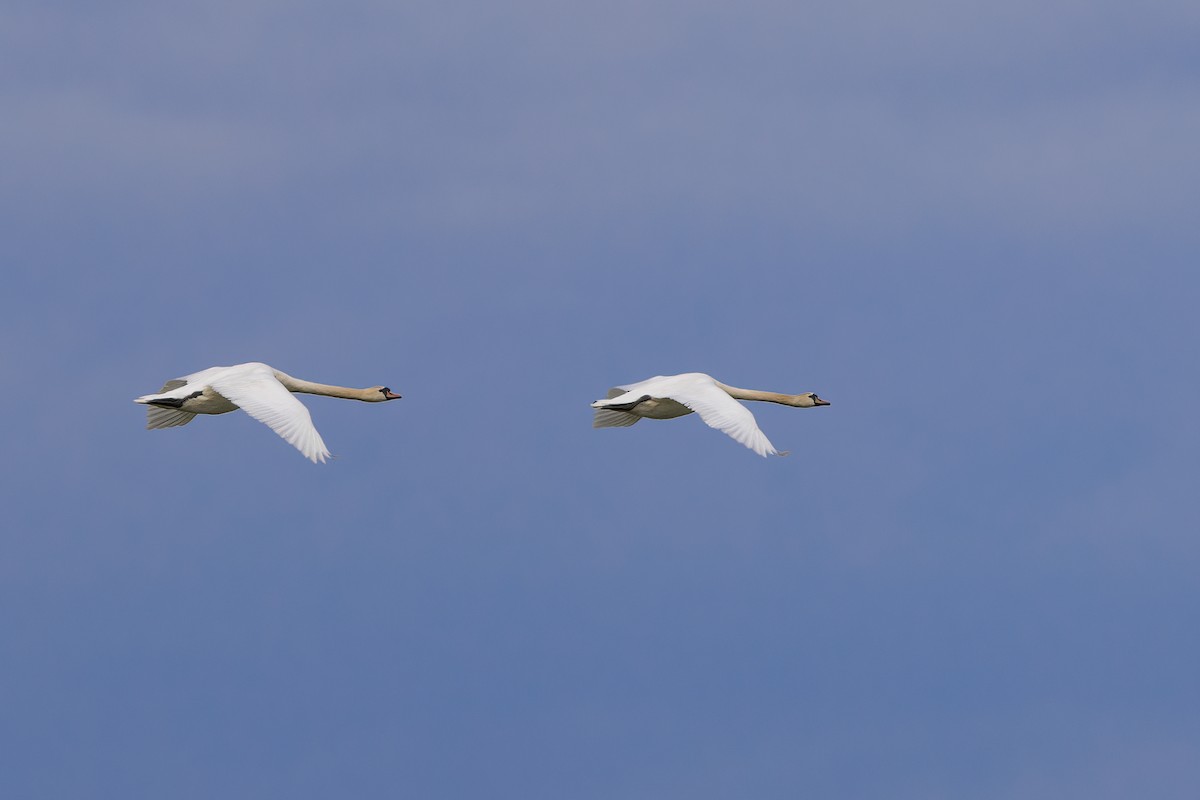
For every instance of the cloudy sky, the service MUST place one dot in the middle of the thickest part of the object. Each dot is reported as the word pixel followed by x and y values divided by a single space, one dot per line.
pixel 972 227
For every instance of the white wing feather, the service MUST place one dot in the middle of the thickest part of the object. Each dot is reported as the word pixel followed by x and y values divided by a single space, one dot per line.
pixel 257 392
pixel 700 393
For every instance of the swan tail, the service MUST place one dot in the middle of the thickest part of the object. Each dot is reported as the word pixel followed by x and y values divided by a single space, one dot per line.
pixel 160 400
pixel 172 399
pixel 166 393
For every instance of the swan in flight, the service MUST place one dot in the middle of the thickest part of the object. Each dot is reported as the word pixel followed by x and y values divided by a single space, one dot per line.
pixel 262 392
pixel 669 396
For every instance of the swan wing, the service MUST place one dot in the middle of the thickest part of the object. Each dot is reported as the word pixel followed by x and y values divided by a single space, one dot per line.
pixel 720 411
pixel 159 417
pixel 260 394
pixel 610 418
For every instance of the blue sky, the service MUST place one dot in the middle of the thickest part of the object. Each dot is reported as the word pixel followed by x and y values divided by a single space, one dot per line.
pixel 971 227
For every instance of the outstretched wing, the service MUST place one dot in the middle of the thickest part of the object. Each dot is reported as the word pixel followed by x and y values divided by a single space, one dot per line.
pixel 721 411
pixel 158 417
pixel 262 396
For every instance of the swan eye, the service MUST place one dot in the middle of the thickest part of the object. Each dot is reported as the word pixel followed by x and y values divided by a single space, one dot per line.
pixel 385 391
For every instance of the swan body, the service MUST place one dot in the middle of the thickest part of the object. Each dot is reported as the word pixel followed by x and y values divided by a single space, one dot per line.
pixel 670 396
pixel 262 392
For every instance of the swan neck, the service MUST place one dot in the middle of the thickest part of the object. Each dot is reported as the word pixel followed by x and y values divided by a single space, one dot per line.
pixel 309 387
pixel 754 394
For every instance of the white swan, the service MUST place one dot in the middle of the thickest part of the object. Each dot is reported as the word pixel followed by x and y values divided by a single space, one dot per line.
pixel 262 392
pixel 669 396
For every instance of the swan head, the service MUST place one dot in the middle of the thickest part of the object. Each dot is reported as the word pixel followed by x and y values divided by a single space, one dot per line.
pixel 809 400
pixel 380 394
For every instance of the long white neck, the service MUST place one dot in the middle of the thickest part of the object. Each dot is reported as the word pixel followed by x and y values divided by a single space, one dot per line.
pixel 770 397
pixel 308 387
